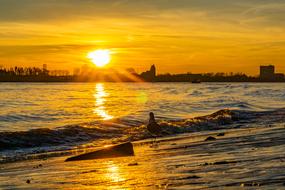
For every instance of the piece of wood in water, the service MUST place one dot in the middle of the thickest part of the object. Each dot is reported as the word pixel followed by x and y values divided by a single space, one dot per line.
pixel 120 150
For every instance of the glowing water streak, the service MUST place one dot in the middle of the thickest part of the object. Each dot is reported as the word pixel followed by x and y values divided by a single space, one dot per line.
pixel 100 99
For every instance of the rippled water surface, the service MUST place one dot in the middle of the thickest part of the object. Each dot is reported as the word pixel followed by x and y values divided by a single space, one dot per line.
pixel 26 106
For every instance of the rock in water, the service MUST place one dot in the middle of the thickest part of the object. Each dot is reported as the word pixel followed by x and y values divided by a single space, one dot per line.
pixel 120 150
pixel 133 164
pixel 221 134
pixel 210 138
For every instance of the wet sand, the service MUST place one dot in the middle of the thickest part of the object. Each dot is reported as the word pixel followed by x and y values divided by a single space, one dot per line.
pixel 251 158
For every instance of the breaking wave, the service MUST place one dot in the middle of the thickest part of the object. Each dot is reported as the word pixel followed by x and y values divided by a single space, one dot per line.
pixel 120 130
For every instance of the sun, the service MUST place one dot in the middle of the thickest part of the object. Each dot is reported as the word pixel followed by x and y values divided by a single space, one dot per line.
pixel 100 57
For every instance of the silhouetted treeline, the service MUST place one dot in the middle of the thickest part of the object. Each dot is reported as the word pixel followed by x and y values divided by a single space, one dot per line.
pixel 33 74
pixel 22 71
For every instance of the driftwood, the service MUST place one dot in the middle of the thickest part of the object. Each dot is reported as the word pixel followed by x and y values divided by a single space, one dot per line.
pixel 120 150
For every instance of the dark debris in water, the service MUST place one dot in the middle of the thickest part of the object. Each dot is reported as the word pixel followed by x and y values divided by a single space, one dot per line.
pixel 90 171
pixel 249 184
pixel 38 166
pixel 221 134
pixel 133 164
pixel 245 184
pixel 220 163
pixel 210 138
pixel 190 177
pixel 224 162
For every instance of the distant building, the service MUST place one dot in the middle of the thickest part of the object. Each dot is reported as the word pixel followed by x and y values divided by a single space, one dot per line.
pixel 267 73
pixel 149 75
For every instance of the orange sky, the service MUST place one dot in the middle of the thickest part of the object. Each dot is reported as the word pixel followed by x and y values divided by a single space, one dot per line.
pixel 178 36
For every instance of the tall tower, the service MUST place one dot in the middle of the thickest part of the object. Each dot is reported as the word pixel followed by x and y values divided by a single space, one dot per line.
pixel 45 71
pixel 153 71
pixel 149 75
pixel 44 67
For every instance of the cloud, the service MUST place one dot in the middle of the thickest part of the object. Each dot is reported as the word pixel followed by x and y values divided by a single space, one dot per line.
pixel 233 12
pixel 35 10
pixel 272 14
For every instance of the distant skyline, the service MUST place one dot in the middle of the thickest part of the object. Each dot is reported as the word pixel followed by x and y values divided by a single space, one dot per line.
pixel 178 36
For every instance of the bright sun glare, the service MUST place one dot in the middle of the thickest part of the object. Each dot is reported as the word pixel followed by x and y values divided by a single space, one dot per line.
pixel 100 57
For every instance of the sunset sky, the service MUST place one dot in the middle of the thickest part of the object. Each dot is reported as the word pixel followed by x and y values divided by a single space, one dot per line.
pixel 177 35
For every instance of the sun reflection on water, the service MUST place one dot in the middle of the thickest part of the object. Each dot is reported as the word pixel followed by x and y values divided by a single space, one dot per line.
pixel 100 99
pixel 113 173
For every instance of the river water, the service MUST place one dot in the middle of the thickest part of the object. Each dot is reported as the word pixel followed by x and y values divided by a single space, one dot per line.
pixel 25 106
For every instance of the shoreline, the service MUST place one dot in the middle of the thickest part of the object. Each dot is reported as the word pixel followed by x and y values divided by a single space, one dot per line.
pixel 190 82
pixel 252 157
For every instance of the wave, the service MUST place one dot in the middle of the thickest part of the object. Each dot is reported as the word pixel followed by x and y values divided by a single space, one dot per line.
pixel 121 130
pixel 195 93
pixel 23 117
pixel 91 131
pixel 53 137
pixel 240 105
pixel 268 93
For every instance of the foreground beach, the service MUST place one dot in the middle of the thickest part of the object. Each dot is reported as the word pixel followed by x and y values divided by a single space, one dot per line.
pixel 251 158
